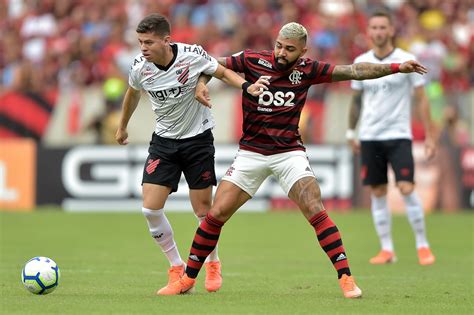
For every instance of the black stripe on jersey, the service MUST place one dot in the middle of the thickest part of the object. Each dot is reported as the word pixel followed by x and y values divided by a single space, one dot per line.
pixel 235 66
pixel 196 114
pixel 177 121
pixel 325 69
pixel 314 70
pixel 260 123
pixel 272 138
pixel 251 111
pixel 270 147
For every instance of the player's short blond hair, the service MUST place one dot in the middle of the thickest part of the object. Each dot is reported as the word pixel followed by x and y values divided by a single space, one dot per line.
pixel 294 30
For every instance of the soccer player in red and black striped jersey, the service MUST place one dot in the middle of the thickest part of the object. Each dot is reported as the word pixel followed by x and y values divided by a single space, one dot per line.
pixel 271 145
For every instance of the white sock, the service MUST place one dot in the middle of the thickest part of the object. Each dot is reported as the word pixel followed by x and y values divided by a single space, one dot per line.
pixel 417 218
pixel 213 255
pixel 382 221
pixel 162 233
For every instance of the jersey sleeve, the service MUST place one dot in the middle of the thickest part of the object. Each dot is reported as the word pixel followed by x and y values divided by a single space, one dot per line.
pixel 416 79
pixel 133 79
pixel 321 72
pixel 208 64
pixel 236 62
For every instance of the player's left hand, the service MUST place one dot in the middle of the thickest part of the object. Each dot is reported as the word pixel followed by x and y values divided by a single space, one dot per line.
pixel 412 66
pixel 202 94
pixel 259 86
pixel 430 148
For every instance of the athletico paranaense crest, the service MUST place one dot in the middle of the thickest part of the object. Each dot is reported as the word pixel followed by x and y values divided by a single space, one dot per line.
pixel 183 74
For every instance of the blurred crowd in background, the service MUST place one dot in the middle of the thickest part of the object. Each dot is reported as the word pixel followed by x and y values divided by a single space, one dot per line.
pixel 49 46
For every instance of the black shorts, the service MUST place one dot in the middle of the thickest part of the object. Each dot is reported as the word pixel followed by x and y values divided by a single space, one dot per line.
pixel 193 156
pixel 376 155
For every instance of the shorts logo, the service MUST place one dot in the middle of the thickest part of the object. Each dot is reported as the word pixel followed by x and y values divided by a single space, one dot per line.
pixel 405 171
pixel 151 167
pixel 229 171
pixel 206 176
pixel 363 172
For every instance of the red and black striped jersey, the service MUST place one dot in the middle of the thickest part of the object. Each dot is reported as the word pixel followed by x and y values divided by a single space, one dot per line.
pixel 270 121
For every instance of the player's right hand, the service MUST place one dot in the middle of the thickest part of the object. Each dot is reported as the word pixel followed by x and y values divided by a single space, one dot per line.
pixel 355 145
pixel 121 136
pixel 259 86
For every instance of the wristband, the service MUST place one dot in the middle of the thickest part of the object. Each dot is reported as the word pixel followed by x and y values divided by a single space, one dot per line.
pixel 395 67
pixel 350 134
pixel 246 85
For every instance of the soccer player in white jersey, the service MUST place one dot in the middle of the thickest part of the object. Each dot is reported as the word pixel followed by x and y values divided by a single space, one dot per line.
pixel 182 141
pixel 385 137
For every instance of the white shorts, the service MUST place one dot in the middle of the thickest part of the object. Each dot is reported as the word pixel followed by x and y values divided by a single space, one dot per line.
pixel 250 169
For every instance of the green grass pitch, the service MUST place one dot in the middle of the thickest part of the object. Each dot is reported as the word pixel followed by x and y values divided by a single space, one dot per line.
pixel 272 264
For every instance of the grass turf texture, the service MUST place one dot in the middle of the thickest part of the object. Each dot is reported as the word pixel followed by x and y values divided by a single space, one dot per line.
pixel 272 264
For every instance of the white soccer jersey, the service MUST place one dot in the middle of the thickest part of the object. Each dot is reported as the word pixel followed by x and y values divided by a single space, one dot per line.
pixel 171 90
pixel 386 112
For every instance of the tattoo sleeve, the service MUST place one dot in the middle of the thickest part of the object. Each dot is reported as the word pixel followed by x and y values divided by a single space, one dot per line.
pixel 360 71
pixel 355 109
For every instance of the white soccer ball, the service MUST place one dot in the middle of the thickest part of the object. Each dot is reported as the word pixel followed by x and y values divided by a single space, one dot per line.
pixel 40 275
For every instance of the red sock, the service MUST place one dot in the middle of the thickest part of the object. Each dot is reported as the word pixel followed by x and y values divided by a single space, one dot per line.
pixel 330 241
pixel 205 240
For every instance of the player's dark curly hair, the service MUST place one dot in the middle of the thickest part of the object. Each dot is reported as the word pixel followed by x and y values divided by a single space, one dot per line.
pixel 154 23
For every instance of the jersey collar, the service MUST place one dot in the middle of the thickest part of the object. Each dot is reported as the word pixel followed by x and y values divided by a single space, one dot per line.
pixel 174 48
pixel 384 57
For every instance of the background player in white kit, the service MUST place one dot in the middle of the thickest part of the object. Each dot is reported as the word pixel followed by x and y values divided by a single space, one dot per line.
pixel 385 137
pixel 182 141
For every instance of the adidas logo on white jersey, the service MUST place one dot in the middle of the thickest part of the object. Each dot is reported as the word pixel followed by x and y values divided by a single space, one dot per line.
pixel 194 257
pixel 341 257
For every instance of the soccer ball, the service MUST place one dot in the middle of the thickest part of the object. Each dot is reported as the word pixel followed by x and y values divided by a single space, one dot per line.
pixel 40 275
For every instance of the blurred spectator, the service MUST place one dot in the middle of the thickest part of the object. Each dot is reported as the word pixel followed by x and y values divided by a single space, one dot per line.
pixel 107 123
pixel 72 45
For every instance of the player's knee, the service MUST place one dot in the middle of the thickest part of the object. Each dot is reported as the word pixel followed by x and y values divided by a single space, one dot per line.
pixel 406 188
pixel 311 210
pixel 379 190
pixel 201 210
pixel 220 214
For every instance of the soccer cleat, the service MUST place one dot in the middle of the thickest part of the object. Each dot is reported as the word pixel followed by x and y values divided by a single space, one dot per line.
pixel 213 276
pixel 425 256
pixel 383 257
pixel 349 287
pixel 175 272
pixel 183 285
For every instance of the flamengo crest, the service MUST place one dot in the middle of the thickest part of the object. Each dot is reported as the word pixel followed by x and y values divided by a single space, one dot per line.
pixel 295 77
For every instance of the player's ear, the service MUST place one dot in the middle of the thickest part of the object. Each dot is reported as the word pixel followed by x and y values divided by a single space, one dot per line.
pixel 303 51
pixel 167 39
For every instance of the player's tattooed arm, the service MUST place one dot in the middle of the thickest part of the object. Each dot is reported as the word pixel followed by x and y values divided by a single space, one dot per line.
pixel 367 70
pixel 360 71
pixel 355 109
